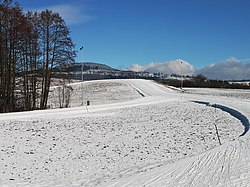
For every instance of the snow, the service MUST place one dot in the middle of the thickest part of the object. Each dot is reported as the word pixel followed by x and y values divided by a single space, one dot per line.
pixel 228 93
pixel 134 133
pixel 109 92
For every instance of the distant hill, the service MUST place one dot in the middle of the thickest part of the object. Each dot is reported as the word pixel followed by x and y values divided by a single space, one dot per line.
pixel 86 66
pixel 96 71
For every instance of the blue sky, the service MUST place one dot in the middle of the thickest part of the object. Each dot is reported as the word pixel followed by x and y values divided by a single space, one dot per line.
pixel 121 33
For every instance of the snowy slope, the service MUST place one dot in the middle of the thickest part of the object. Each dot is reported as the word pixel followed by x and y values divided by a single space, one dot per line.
pixel 111 91
pixel 226 165
pixel 153 136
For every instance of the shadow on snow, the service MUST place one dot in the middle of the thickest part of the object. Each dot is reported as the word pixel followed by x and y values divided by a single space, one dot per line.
pixel 232 112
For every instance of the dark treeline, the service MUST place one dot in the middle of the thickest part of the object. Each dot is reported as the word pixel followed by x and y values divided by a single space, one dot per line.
pixel 201 81
pixel 31 45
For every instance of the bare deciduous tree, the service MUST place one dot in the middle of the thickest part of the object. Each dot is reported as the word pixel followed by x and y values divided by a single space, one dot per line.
pixel 56 46
pixel 31 46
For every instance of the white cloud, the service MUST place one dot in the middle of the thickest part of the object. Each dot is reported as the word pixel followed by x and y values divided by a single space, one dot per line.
pixel 136 67
pixel 230 69
pixel 171 67
pixel 72 14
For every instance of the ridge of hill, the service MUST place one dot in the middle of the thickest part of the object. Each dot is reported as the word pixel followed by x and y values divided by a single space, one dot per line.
pixel 97 71
pixel 87 66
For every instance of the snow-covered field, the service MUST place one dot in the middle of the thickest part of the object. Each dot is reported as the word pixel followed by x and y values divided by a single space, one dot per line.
pixel 97 92
pixel 229 93
pixel 134 133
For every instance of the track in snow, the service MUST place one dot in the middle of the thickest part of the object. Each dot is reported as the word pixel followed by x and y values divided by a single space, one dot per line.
pixel 233 112
pixel 227 165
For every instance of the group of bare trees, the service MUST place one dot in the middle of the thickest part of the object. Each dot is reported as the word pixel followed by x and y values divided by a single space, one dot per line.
pixel 32 44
